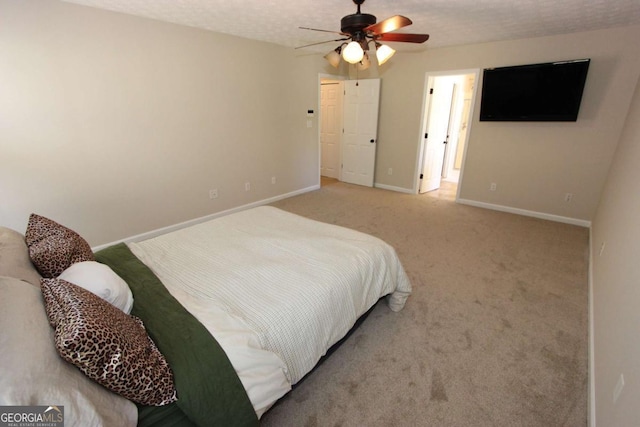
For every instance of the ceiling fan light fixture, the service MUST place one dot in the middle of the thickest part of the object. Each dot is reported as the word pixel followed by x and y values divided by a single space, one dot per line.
pixel 353 53
pixel 383 53
pixel 361 29
pixel 334 57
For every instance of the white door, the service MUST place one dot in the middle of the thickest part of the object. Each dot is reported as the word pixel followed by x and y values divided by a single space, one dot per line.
pixel 439 112
pixel 361 101
pixel 330 128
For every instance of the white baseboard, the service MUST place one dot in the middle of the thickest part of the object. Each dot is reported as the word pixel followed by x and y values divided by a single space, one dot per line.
pixel 164 230
pixel 534 214
pixel 541 215
pixel 392 188
pixel 591 403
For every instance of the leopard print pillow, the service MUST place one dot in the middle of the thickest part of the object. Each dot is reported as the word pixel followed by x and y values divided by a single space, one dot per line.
pixel 53 248
pixel 107 345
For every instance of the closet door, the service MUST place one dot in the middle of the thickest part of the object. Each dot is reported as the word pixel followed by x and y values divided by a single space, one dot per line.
pixel 361 104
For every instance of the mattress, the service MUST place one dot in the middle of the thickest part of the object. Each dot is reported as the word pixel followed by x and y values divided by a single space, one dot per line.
pixel 275 289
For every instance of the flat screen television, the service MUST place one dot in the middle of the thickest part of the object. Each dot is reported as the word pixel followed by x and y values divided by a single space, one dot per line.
pixel 548 92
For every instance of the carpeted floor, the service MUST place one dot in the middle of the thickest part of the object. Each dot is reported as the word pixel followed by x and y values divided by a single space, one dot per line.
pixel 494 334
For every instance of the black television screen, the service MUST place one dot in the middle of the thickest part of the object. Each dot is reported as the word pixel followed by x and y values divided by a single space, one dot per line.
pixel 535 92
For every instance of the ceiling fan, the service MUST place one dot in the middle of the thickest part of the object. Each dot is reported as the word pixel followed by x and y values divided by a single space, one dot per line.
pixel 361 29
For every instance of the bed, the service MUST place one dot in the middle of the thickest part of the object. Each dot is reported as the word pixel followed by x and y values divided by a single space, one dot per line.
pixel 242 307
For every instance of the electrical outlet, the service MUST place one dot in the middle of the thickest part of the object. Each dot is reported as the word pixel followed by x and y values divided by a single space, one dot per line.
pixel 213 194
pixel 493 186
pixel 247 186
pixel 273 179
pixel 390 171
pixel 568 197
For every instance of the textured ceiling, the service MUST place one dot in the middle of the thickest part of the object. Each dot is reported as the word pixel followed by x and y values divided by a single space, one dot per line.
pixel 449 22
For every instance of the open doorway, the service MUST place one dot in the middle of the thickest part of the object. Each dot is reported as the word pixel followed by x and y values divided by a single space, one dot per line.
pixel 348 129
pixel 331 117
pixel 448 103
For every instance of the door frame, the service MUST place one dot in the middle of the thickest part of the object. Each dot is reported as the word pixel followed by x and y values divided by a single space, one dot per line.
pixel 423 127
pixel 438 119
pixel 324 76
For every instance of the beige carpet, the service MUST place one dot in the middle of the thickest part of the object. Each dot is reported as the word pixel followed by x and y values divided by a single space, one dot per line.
pixel 494 334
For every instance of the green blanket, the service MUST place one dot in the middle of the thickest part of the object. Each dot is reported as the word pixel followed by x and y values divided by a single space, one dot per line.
pixel 209 390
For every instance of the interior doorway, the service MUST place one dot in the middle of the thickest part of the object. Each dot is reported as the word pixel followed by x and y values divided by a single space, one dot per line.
pixel 331 114
pixel 448 102
pixel 348 126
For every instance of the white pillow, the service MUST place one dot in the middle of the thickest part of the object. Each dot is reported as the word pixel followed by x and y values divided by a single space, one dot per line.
pixel 34 374
pixel 102 281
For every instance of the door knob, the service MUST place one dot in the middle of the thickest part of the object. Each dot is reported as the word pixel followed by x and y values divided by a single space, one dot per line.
pixel 372 141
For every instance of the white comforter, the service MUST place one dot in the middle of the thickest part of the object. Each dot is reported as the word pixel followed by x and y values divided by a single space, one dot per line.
pixel 275 289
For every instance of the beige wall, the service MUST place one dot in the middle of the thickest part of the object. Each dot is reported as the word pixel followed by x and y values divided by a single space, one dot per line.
pixel 616 282
pixel 533 164
pixel 116 125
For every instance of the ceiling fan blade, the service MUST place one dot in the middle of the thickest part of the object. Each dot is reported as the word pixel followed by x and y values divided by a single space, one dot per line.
pixel 324 31
pixel 326 41
pixel 403 37
pixel 389 24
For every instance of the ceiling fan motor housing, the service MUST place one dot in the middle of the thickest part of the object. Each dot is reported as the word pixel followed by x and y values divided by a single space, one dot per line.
pixel 352 24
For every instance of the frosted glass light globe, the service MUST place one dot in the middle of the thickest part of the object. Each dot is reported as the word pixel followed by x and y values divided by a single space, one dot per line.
pixel 353 53
pixel 383 53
